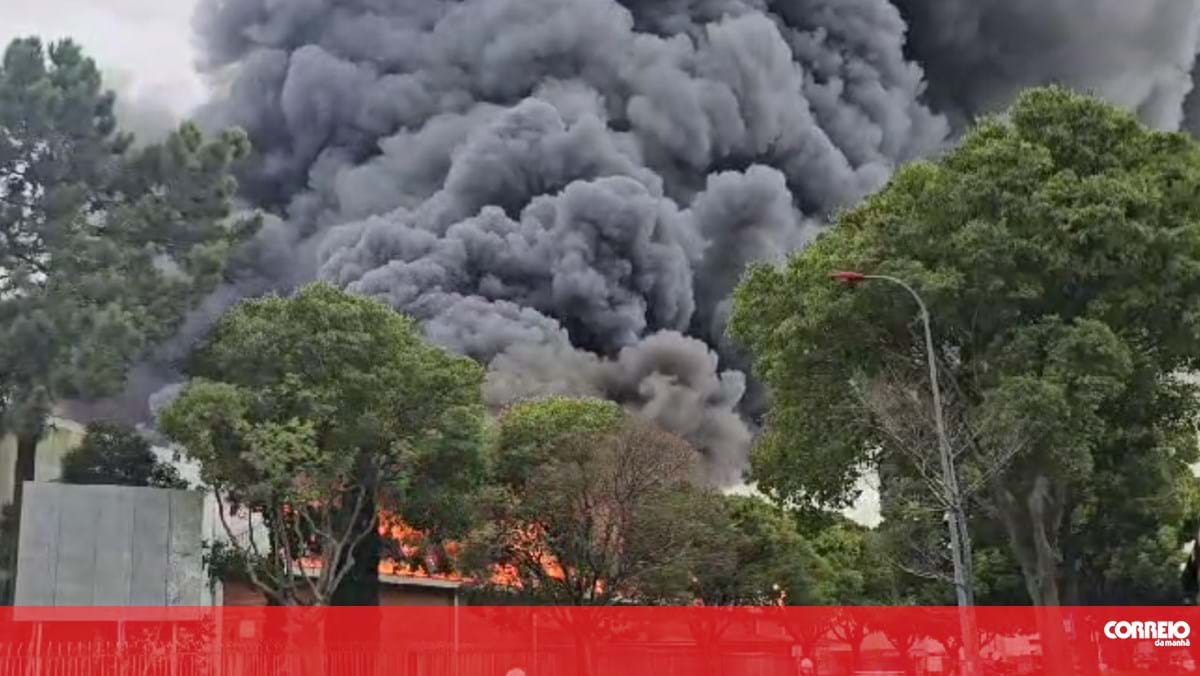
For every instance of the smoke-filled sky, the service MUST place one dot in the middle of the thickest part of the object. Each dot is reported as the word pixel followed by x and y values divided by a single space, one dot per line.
pixel 142 45
pixel 568 190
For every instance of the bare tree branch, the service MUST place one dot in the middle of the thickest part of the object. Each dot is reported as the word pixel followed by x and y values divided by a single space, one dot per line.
pixel 268 589
pixel 899 411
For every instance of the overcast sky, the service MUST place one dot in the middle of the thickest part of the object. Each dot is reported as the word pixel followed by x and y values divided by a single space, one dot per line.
pixel 144 46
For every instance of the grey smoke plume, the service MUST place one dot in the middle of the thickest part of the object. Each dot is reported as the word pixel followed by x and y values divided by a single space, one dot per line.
pixel 668 377
pixel 569 190
pixel 566 190
pixel 979 53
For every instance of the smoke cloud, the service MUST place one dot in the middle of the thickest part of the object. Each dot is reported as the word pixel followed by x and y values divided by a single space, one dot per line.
pixel 565 190
pixel 979 53
pixel 569 190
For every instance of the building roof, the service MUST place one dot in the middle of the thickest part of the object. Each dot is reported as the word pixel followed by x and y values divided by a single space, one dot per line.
pixel 408 580
pixel 419 581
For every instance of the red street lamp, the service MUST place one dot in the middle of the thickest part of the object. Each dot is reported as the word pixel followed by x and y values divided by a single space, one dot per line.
pixel 960 541
pixel 849 278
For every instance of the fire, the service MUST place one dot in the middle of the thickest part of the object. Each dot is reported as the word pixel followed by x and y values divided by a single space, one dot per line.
pixel 530 542
pixel 411 542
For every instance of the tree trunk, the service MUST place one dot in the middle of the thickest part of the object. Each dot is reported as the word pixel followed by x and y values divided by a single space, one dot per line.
pixel 1089 663
pixel 1045 513
pixel 707 635
pixel 954 658
pixel 583 655
pixel 1043 508
pixel 25 469
pixel 853 633
pixel 711 660
pixel 1033 533
pixel 360 587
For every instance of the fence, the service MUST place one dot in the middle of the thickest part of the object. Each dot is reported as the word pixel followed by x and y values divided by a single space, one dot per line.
pixel 88 659
pixel 475 641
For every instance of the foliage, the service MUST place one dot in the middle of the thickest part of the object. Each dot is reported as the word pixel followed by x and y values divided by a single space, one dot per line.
pixel 858 572
pixel 768 560
pixel 103 248
pixel 310 411
pixel 1058 250
pixel 224 563
pixel 593 509
pixel 117 455
pixel 532 432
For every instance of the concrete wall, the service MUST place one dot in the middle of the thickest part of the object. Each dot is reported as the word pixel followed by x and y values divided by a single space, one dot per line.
pixel 111 545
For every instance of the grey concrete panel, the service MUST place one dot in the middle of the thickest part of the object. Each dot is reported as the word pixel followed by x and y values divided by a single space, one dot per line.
pixel 110 545
pixel 114 545
pixel 37 554
pixel 75 575
pixel 151 541
pixel 186 579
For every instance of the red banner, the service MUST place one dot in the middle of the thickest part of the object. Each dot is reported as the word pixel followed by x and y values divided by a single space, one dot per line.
pixel 560 641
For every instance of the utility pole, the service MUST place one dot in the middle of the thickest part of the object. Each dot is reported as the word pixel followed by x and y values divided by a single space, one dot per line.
pixel 956 518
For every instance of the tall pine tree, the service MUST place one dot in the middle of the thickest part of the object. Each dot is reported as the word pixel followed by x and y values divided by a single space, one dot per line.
pixel 103 249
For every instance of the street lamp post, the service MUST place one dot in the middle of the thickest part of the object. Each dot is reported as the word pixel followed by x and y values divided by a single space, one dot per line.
pixel 960 542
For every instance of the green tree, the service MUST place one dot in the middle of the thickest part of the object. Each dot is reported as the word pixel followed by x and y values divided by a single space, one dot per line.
pixel 532 432
pixel 1058 248
pixel 311 413
pixel 769 560
pixel 117 455
pixel 854 572
pixel 759 557
pixel 103 249
pixel 592 507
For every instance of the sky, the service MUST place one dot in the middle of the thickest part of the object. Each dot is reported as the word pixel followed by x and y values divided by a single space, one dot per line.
pixel 143 47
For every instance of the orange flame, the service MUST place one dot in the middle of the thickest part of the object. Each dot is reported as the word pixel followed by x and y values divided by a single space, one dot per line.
pixel 410 542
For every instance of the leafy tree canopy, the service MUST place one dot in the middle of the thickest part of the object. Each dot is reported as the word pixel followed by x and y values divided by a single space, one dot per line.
pixel 1058 250
pixel 768 560
pixel 102 248
pixel 117 455
pixel 592 507
pixel 532 431
pixel 337 402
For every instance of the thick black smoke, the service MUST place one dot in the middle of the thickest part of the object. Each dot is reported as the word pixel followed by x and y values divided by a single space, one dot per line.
pixel 569 190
